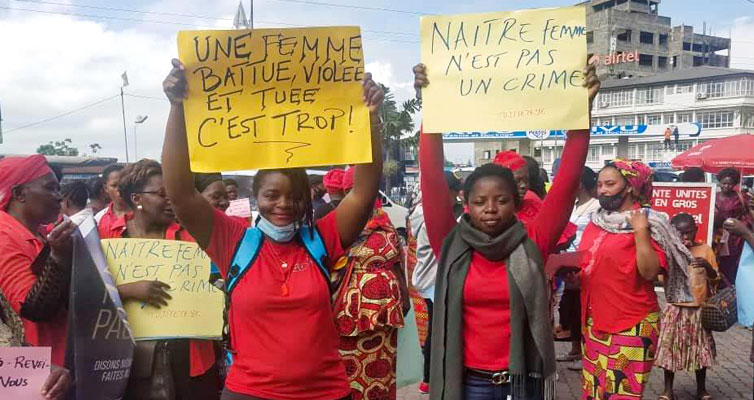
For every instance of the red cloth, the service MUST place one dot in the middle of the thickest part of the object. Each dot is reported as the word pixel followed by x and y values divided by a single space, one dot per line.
pixel 18 249
pixel 348 178
pixel 529 209
pixel 111 225
pixel 544 230
pixel 16 171
pixel 509 159
pixel 201 352
pixel 286 346
pixel 638 175
pixel 614 294
pixel 716 154
pixel 333 180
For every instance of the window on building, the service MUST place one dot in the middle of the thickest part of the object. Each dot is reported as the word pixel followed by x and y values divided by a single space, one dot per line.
pixel 684 145
pixel 674 61
pixel 616 98
pixel 547 155
pixel 625 120
pixel 668 118
pixel 654 119
pixel 663 39
pixel 662 62
pixel 654 152
pixel 645 60
pixel 607 151
pixel 590 37
pixel 747 119
pixel 698 61
pixel 624 36
pixel 636 151
pixel 646 37
pixel 728 88
pixel 594 154
pixel 716 119
pixel 641 119
pixel 686 46
pixel 685 88
pixel 487 155
pixel 649 95
pixel 697 47
pixel 606 121
pixel 670 89
pixel 684 117
pixel 653 7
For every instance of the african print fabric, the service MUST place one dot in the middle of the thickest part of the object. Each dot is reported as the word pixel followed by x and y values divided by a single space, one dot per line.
pixel 617 366
pixel 684 344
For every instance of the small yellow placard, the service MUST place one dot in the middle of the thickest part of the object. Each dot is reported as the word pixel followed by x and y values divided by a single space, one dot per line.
pixel 505 71
pixel 196 308
pixel 275 98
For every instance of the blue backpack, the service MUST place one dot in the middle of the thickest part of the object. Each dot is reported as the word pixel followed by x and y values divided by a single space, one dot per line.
pixel 247 252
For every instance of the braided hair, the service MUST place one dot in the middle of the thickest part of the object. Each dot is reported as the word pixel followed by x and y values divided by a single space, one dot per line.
pixel 75 192
pixel 300 190
pixel 135 176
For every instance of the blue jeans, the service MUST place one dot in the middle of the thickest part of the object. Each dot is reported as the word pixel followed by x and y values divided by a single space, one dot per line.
pixel 480 389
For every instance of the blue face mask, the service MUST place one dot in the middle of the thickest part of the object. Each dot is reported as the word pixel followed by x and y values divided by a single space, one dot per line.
pixel 280 234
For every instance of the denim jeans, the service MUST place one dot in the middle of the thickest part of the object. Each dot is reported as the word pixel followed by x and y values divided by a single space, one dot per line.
pixel 480 389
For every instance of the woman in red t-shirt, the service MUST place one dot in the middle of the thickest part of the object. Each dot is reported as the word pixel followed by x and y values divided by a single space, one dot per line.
pixel 491 329
pixel 626 245
pixel 192 361
pixel 281 323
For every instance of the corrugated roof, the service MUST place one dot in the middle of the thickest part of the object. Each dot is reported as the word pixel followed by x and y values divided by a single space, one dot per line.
pixel 688 74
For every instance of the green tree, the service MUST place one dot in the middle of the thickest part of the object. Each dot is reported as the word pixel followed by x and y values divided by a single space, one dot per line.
pixel 397 122
pixel 58 148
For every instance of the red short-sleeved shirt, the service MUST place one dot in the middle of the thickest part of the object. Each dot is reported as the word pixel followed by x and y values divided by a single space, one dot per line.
pixel 18 249
pixel 287 346
pixel 613 292
pixel 111 225
pixel 201 352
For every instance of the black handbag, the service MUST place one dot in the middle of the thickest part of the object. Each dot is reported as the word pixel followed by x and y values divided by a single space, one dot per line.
pixel 151 374
pixel 720 312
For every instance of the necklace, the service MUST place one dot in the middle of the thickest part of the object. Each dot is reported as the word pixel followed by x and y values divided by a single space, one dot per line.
pixel 285 271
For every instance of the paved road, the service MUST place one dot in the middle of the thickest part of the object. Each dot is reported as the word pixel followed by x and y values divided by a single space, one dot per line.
pixel 731 379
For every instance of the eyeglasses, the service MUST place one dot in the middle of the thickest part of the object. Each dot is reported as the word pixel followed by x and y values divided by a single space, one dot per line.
pixel 160 193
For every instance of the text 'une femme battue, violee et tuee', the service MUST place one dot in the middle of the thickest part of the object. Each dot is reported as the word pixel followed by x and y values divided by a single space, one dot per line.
pixel 289 70
pixel 468 47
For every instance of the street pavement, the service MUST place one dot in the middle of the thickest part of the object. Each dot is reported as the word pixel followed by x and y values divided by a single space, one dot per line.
pixel 731 379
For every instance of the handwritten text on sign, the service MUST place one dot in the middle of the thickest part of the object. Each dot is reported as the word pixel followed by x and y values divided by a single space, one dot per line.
pixel 518 70
pixel 696 199
pixel 23 371
pixel 195 309
pixel 275 98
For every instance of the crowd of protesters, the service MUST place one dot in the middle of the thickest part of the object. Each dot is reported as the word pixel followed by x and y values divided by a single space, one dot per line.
pixel 318 315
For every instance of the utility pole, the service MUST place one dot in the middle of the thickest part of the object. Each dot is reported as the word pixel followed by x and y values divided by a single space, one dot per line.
pixel 124 77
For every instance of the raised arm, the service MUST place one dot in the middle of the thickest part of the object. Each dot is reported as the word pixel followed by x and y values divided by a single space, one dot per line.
pixel 438 212
pixel 552 219
pixel 354 211
pixel 194 212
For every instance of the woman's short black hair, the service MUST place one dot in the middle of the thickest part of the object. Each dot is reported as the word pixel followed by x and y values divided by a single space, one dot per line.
pixel 588 179
pixel 230 182
pixel 491 171
pixel 301 190
pixel 75 192
pixel 683 218
pixel 110 169
pixel 96 186
pixel 729 173
pixel 135 177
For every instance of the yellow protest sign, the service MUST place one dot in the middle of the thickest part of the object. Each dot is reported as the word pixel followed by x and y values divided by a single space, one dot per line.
pixel 196 307
pixel 505 71
pixel 275 98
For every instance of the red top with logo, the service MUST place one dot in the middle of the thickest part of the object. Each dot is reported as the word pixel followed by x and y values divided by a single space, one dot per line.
pixel 486 299
pixel 613 292
pixel 201 352
pixel 111 225
pixel 285 340
pixel 18 249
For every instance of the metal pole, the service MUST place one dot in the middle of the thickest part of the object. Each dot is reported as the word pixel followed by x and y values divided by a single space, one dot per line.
pixel 251 14
pixel 136 143
pixel 123 110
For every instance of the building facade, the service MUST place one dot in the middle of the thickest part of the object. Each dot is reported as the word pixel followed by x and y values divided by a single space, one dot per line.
pixel 630 39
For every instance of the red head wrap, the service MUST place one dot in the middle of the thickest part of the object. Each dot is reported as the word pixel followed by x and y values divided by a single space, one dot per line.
pixel 638 175
pixel 16 171
pixel 510 159
pixel 348 178
pixel 333 180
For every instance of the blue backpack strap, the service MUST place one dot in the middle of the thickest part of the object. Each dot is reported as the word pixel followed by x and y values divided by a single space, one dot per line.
pixel 245 254
pixel 315 246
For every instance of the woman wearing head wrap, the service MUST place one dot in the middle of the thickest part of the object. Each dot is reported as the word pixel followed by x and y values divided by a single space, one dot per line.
pixel 730 203
pixel 333 182
pixel 626 246
pixel 212 188
pixel 192 362
pixel 35 268
pixel 369 304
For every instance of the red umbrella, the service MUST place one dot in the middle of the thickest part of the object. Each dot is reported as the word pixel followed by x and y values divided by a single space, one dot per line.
pixel 712 156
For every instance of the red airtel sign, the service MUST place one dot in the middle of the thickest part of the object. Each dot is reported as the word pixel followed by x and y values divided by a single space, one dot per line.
pixel 614 58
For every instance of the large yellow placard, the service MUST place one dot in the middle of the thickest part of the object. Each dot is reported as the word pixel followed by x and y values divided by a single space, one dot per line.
pixel 505 71
pixel 196 307
pixel 275 98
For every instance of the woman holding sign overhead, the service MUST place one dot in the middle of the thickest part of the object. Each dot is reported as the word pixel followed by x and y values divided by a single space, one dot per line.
pixel 190 370
pixel 282 336
pixel 491 329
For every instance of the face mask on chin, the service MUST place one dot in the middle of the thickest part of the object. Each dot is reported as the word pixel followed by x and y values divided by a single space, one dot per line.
pixel 614 202
pixel 280 234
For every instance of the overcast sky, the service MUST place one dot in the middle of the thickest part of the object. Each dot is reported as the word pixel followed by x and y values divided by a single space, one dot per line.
pixel 66 55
